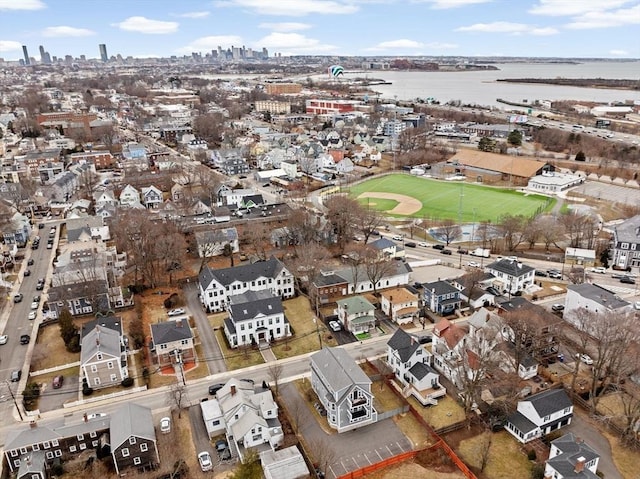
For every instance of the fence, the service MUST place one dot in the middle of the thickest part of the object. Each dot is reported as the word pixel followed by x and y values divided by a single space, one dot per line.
pixel 393 412
pixel 405 456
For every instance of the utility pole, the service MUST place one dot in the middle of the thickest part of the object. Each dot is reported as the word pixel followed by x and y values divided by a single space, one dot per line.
pixel 14 400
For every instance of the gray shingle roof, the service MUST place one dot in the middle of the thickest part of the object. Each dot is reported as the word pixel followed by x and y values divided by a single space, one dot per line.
pixel 420 370
pixel 521 423
pixel 250 304
pixel 131 420
pixel 570 450
pixel 170 331
pixel 550 401
pixel 628 231
pixel 440 287
pixel 599 295
pixel 111 322
pixel 405 344
pixel 243 273
pixel 100 339
pixel 340 370
pixel 512 268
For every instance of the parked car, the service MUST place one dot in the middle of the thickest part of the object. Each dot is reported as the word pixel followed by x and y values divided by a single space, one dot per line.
pixel 627 280
pixel 541 273
pixel 204 458
pixel 637 305
pixel 247 380
pixel 425 339
pixel 397 238
pixel 446 251
pixel 214 388
pixel 335 326
pixel 423 243
pixel 176 312
pixel 473 264
pixel 222 448
pixel 30 262
pixel 599 269
pixel 438 246
pixel 27 272
pixel 493 291
pixel 16 375
pixel 57 382
pixel 32 315
pixel 557 307
pixel 585 358
pixel 24 339
pixel 35 304
pixel 17 298
pixel 3 339
pixel 555 275
pixel 165 425
pixel 463 251
pixel 410 244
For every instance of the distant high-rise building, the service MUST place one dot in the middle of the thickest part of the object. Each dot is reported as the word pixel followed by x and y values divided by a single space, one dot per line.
pixel 26 55
pixel 265 53
pixel 43 54
pixel 103 52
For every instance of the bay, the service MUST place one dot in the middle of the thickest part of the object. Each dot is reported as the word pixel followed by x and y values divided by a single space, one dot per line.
pixel 482 88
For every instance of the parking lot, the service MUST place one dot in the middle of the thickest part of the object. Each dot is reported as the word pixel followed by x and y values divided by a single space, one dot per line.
pixel 609 192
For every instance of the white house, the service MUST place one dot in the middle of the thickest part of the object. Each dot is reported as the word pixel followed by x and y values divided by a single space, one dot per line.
pixel 400 304
pixel 447 349
pixel 343 389
pixel 218 285
pixel 594 299
pixel 356 314
pixel 129 197
pixel 571 458
pixel 255 317
pixel 151 197
pixel 513 275
pixel 540 414
pixel 387 248
pixel 410 363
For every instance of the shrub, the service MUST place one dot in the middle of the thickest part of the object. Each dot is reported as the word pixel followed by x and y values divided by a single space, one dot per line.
pixel 537 471
pixel 172 301
pixel 531 455
pixel 87 391
pixel 127 382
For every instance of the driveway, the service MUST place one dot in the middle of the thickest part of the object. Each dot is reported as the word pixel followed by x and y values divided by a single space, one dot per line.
pixel 51 399
pixel 582 428
pixel 350 450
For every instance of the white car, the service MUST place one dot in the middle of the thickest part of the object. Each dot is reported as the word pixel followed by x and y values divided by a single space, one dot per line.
pixel 335 325
pixel 422 243
pixel 204 458
pixel 165 425
pixel 585 358
pixel 35 304
pixel 637 305
pixel 3 339
pixel 599 269
pixel 473 264
pixel 32 315
pixel 176 312
pixel 397 238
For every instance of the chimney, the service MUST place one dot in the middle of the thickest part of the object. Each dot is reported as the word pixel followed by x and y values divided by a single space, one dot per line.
pixel 580 465
pixel 233 389
pixel 33 424
pixel 179 323
pixel 84 417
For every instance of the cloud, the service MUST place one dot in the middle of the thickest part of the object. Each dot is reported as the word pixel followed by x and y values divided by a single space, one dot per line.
pixel 294 43
pixel 64 31
pixel 194 14
pixel 145 25
pixel 446 4
pixel 567 8
pixel 285 26
pixel 209 43
pixel 21 5
pixel 293 8
pixel 617 18
pixel 618 53
pixel 9 46
pixel 405 44
pixel 508 27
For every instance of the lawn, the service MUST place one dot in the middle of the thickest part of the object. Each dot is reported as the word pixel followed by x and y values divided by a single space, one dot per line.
pixel 238 358
pixel 379 203
pixel 445 413
pixel 506 460
pixel 442 199
pixel 50 350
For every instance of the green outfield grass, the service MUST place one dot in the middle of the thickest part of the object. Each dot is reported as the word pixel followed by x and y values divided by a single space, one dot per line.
pixel 441 199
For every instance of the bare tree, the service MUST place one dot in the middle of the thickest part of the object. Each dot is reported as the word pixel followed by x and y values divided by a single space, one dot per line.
pixel 377 268
pixel 258 238
pixel 449 230
pixel 512 230
pixel 551 231
pixel 177 396
pixel 484 449
pixel 578 337
pixel 275 371
pixel 341 212
pixel 367 221
pixel 532 231
pixel 324 454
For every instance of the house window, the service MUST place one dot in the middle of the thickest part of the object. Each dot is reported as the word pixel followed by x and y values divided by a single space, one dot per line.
pixel 36 447
pixel 624 246
pixel 49 455
pixel 125 452
pixel 14 453
pixel 46 444
pixel 96 381
pixel 99 356
pixel 80 437
pixel 16 463
pixel 55 443
pixel 110 365
pixel 132 440
pixel 114 377
pixel 73 448
pixel 94 443
pixel 137 461
pixel 83 446
pixel 93 434
pixel 144 447
pixel 57 453
pixel 94 368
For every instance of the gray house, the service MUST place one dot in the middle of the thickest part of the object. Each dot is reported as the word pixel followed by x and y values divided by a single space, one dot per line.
pixel 133 438
pixel 103 357
pixel 626 244
pixel 172 341
pixel 343 389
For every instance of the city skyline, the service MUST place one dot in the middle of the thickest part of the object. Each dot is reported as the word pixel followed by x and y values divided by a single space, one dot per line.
pixel 532 28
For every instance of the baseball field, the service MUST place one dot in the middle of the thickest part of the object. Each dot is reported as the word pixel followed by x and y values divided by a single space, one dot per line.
pixel 412 196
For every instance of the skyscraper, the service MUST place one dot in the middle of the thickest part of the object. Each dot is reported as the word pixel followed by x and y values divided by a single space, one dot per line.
pixel 103 52
pixel 26 55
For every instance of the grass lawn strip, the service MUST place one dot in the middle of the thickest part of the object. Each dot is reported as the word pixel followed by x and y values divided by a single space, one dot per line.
pixel 506 459
pixel 445 413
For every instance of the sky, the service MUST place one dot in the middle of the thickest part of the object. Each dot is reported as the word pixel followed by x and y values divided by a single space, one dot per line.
pixel 162 28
